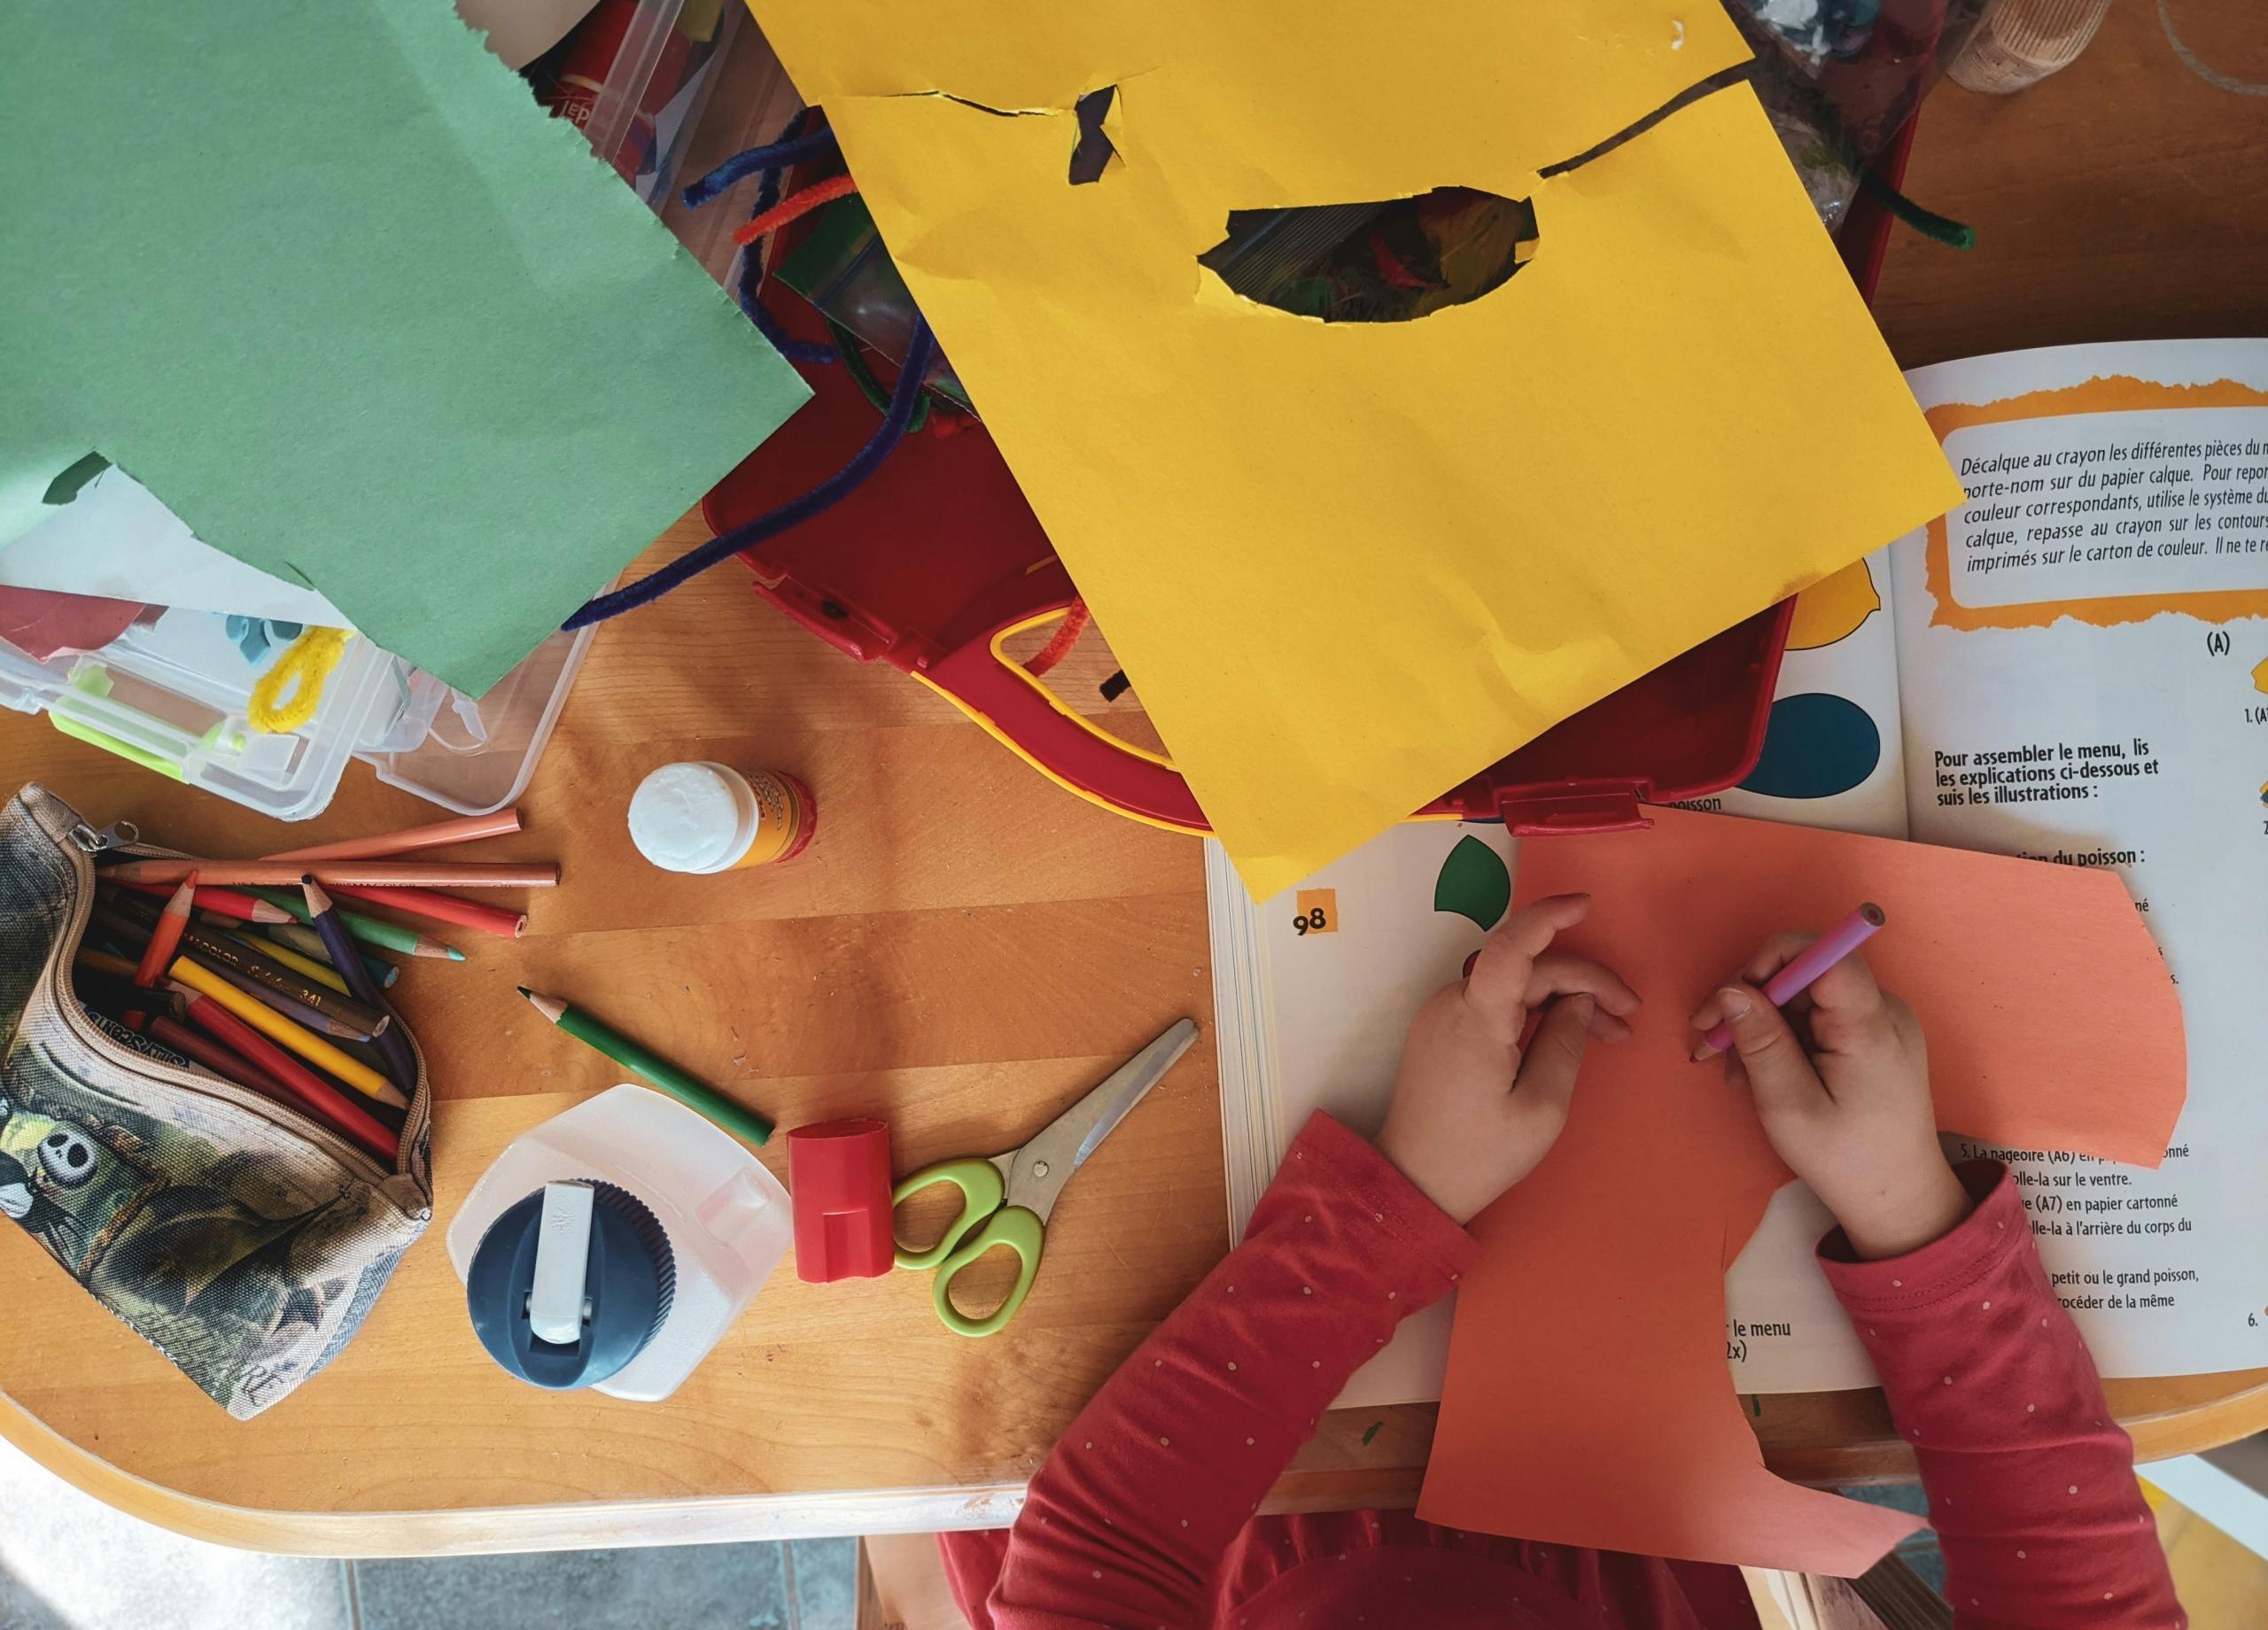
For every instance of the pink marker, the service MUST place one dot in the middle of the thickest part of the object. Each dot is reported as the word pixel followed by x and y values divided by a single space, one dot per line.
pixel 1803 971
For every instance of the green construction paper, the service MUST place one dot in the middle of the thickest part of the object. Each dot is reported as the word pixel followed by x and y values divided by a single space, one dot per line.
pixel 329 283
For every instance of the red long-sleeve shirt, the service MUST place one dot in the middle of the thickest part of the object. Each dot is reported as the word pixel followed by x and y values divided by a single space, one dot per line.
pixel 1143 1515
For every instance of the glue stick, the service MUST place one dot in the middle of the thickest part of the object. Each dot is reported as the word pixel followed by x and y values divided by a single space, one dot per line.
pixel 701 816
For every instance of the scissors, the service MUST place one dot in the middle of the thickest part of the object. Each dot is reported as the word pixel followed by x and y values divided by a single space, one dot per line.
pixel 1006 1201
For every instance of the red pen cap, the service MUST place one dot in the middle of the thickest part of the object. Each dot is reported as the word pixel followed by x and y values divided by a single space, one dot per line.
pixel 838 1173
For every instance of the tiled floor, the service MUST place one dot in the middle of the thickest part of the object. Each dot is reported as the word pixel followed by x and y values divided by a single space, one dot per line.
pixel 68 1562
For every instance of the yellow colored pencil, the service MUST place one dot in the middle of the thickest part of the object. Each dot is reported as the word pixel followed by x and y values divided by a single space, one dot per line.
pixel 281 1031
pixel 322 972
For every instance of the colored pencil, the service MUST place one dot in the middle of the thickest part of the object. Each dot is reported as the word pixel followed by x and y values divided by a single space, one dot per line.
pixel 344 1015
pixel 220 1060
pixel 304 1088
pixel 299 1012
pixel 167 935
pixel 103 962
pixel 370 930
pixel 322 972
pixel 393 1047
pixel 274 1026
pixel 697 1095
pixel 498 920
pixel 226 902
pixel 469 829
pixel 251 969
pixel 309 944
pixel 1804 968
pixel 117 996
pixel 385 873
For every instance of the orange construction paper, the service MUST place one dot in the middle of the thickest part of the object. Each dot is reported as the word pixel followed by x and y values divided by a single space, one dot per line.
pixel 1588 1401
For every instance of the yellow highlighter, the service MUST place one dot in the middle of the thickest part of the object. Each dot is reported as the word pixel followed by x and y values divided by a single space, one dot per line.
pixel 281 1031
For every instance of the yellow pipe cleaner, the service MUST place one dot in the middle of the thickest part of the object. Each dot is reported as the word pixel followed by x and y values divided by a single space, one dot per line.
pixel 304 666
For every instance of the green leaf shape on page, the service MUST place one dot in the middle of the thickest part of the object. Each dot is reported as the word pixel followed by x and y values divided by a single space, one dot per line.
pixel 1473 883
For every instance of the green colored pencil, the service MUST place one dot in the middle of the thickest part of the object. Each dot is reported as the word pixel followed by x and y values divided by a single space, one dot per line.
pixel 370 930
pixel 695 1095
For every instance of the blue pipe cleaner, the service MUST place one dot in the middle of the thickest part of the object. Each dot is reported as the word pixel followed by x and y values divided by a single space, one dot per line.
pixel 921 351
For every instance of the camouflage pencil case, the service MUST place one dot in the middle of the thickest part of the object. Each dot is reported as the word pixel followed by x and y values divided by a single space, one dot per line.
pixel 241 1239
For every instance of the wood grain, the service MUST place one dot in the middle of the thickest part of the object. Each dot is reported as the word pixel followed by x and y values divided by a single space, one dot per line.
pixel 963 949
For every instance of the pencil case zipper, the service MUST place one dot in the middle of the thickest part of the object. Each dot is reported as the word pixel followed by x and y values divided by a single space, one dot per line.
pixel 86 843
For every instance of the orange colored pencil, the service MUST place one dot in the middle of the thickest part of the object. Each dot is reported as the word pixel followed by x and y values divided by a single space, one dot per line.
pixel 470 830
pixel 158 955
pixel 312 1094
pixel 222 902
pixel 381 874
pixel 497 920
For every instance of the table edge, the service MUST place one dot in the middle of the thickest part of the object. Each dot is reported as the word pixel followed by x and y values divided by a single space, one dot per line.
pixel 722 1518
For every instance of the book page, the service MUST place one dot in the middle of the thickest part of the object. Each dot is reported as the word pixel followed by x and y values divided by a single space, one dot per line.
pixel 1833 751
pixel 1340 964
pixel 2085 668
pixel 2083 652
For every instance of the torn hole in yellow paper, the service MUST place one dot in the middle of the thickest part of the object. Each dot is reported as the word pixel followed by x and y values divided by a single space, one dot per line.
pixel 1094 152
pixel 1394 260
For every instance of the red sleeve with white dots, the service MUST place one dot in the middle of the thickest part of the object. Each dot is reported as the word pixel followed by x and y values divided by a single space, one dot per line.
pixel 1144 1492
pixel 2030 1483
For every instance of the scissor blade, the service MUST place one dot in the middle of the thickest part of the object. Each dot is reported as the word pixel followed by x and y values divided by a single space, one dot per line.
pixel 1130 1080
pixel 1038 1171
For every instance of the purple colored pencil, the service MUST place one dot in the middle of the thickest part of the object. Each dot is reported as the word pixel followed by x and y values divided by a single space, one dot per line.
pixel 393 1047
pixel 1806 966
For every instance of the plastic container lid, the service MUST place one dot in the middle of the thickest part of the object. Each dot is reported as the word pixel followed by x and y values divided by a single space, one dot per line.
pixel 568 1285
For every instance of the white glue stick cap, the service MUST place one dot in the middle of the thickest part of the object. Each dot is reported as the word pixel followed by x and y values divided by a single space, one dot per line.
pixel 694 816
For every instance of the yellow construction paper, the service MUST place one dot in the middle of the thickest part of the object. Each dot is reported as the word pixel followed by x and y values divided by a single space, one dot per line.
pixel 1348 565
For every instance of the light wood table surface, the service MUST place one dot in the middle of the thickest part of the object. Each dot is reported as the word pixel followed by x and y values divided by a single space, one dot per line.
pixel 963 951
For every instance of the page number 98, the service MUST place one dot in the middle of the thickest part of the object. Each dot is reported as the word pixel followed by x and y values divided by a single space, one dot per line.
pixel 1315 911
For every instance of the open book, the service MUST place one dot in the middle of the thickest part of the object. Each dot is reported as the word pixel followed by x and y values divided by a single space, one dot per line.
pixel 2072 667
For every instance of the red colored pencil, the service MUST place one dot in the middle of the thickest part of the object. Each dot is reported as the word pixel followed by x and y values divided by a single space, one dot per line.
pixel 215 1058
pixel 225 902
pixel 468 830
pixel 157 955
pixel 301 1085
pixel 497 920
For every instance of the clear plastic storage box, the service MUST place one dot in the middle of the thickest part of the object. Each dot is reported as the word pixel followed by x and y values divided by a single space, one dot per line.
pixel 170 694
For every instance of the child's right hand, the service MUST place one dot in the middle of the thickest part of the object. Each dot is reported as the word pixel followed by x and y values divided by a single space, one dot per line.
pixel 1841 1085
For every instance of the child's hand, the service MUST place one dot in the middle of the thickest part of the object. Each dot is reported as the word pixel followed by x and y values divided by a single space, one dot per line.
pixel 1842 1084
pixel 1470 1117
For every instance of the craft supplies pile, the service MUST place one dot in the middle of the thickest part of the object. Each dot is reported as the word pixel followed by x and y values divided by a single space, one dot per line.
pixel 1481 422
pixel 1564 239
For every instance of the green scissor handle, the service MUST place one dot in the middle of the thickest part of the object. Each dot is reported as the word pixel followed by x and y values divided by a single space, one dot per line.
pixel 1021 1230
pixel 985 1223
pixel 981 1190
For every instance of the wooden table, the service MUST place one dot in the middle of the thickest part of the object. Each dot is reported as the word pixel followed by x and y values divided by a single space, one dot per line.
pixel 964 950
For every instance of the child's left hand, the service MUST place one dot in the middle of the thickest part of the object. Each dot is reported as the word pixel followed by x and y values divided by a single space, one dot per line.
pixel 1472 1116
